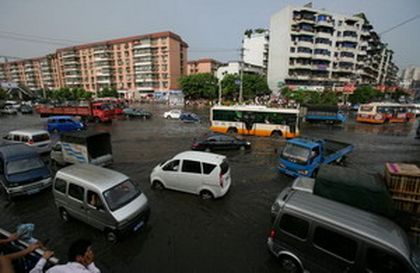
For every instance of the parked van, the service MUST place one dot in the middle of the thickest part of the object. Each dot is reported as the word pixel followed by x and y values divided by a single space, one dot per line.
pixel 22 172
pixel 38 139
pixel 103 198
pixel 58 124
pixel 314 234
pixel 205 174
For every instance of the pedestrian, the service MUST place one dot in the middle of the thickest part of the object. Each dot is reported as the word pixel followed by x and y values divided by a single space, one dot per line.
pixel 6 260
pixel 80 260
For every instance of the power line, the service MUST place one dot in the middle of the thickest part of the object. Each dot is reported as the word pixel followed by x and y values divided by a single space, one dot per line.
pixel 400 24
pixel 39 37
pixel 32 40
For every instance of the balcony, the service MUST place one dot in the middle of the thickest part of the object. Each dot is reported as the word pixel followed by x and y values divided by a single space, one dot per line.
pixel 142 53
pixel 146 79
pixel 301 55
pixel 71 61
pixel 73 76
pixel 348 39
pixel 325 35
pixel 320 67
pixel 140 63
pixel 322 46
pixel 320 78
pixel 308 44
pixel 142 45
pixel 344 69
pixel 72 68
pixel 300 66
pixel 69 54
pixel 104 81
pixel 347 59
pixel 351 28
pixel 321 57
pixel 97 51
pixel 299 77
pixel 101 58
pixel 325 23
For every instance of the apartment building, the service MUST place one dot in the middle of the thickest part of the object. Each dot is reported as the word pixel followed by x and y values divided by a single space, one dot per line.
pixel 310 47
pixel 255 47
pixel 234 68
pixel 137 64
pixel 205 65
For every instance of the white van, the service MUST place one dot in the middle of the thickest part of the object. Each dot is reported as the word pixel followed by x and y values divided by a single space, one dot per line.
pixel 102 198
pixel 38 139
pixel 205 174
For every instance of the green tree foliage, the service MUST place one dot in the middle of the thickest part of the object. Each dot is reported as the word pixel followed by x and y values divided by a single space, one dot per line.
pixel 253 85
pixel 365 94
pixel 198 86
pixel 64 94
pixel 107 93
pixel 311 97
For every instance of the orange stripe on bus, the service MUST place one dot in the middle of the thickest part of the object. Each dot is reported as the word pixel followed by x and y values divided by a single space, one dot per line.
pixel 254 132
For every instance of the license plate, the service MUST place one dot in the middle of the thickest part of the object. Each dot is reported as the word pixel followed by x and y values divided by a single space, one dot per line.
pixel 33 191
pixel 138 226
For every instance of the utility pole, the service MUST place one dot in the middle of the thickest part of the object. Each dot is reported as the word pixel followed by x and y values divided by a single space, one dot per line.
pixel 241 87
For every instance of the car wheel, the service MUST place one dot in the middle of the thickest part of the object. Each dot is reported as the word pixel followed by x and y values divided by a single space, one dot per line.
pixel 157 185
pixel 55 131
pixel 110 235
pixel 276 134
pixel 64 215
pixel 97 120
pixel 232 131
pixel 207 150
pixel 289 265
pixel 205 195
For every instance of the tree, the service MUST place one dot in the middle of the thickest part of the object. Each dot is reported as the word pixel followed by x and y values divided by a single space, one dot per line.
pixel 3 94
pixel 253 85
pixel 311 97
pixel 107 92
pixel 198 86
pixel 365 94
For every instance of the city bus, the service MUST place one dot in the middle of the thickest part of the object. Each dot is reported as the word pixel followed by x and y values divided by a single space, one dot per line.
pixel 384 112
pixel 255 120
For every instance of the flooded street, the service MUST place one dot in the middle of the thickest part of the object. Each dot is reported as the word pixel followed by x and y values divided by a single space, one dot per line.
pixel 185 233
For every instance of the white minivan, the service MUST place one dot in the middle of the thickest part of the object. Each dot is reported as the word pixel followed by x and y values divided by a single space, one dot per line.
pixel 38 139
pixel 205 174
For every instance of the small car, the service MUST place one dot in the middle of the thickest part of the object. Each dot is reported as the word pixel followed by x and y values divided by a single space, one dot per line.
pixel 9 110
pixel 173 114
pixel 189 117
pixel 220 142
pixel 26 109
pixel 58 124
pixel 136 113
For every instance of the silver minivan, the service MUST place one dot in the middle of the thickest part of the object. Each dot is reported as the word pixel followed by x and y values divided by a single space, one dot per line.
pixel 315 234
pixel 102 198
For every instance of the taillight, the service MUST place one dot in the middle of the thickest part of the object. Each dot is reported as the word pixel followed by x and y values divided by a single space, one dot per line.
pixel 221 180
pixel 30 141
pixel 273 233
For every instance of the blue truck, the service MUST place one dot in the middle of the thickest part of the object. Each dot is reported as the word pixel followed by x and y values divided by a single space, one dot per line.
pixel 324 113
pixel 303 157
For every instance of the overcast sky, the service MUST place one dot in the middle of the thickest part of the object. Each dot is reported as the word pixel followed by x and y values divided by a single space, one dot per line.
pixel 212 28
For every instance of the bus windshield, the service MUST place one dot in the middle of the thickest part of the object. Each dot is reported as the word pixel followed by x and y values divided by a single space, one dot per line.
pixel 296 153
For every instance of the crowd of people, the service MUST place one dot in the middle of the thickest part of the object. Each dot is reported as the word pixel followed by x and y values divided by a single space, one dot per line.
pixel 80 258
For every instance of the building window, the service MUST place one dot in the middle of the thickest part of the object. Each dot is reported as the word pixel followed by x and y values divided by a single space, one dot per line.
pixel 292 49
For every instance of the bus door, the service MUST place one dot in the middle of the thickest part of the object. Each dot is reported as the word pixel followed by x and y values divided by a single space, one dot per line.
pixel 249 123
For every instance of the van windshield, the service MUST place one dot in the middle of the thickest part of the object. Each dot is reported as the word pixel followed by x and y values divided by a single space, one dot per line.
pixel 23 165
pixel 120 195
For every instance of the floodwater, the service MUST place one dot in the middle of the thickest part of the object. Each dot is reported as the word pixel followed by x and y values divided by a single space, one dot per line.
pixel 186 234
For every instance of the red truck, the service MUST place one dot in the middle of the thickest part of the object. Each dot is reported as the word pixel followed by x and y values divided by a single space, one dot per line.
pixel 96 111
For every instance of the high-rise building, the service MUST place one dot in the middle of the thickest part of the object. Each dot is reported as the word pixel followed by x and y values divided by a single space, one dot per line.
pixel 408 76
pixel 137 64
pixel 206 65
pixel 310 47
pixel 255 47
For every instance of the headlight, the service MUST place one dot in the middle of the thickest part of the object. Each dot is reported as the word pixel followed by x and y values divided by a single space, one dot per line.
pixel 304 172
pixel 281 165
pixel 275 207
